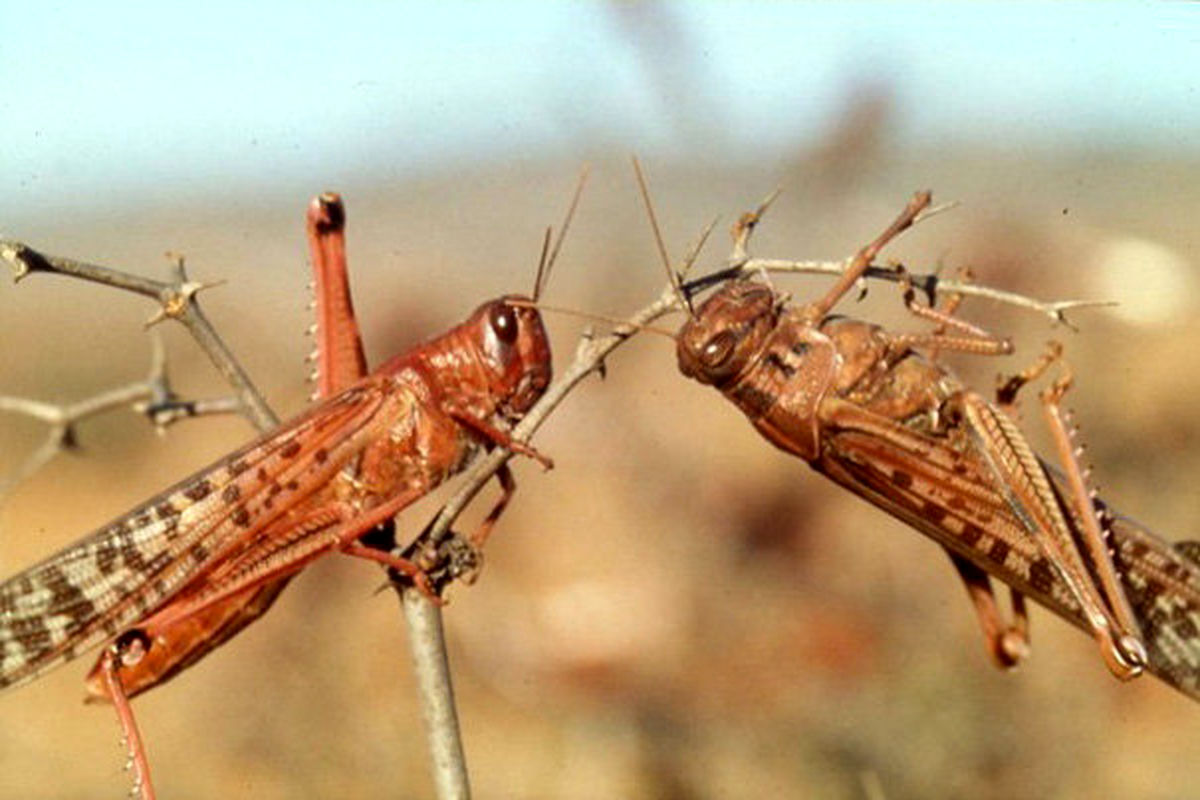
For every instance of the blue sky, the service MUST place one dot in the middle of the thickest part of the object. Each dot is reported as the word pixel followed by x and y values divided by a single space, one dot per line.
pixel 129 94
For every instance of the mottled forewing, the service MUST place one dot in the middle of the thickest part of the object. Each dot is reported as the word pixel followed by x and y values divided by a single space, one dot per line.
pixel 106 581
pixel 947 496
pixel 1162 584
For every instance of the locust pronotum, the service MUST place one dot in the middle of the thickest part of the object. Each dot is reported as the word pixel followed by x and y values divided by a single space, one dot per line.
pixel 862 406
pixel 180 574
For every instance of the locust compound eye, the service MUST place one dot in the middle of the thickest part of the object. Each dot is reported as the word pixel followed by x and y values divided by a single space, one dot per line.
pixel 718 349
pixel 503 320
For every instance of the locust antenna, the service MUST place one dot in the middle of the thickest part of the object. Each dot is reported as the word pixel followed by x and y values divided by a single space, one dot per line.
pixel 542 270
pixel 688 289
pixel 672 275
pixel 550 254
pixel 616 322
pixel 694 253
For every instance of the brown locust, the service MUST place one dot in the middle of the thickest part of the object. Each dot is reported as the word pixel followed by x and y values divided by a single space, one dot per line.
pixel 877 413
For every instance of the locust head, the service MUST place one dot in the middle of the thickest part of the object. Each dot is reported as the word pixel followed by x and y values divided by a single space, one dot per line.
pixel 727 334
pixel 513 345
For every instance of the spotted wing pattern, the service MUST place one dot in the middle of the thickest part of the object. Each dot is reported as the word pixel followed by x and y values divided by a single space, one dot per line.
pixel 92 589
pixel 957 509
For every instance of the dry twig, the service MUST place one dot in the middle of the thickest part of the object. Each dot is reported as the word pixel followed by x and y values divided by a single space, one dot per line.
pixel 176 299
pixel 931 284
pixel 151 397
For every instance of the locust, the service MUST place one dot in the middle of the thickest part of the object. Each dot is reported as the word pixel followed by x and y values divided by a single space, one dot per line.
pixel 167 582
pixel 879 414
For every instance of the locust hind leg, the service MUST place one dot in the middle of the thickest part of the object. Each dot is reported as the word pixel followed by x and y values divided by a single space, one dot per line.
pixel 1128 655
pixel 1130 652
pixel 339 351
pixel 127 650
pixel 1059 531
pixel 145 657
pixel 1006 643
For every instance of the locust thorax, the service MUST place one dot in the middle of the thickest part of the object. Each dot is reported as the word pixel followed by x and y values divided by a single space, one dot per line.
pixel 728 333
pixel 896 382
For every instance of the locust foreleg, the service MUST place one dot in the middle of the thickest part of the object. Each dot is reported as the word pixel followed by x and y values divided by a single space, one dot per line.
pixel 951 333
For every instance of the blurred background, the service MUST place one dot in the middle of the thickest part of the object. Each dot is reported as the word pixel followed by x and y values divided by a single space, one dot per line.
pixel 677 610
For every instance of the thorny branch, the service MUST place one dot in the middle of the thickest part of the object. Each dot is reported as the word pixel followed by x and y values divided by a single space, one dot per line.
pixel 61 420
pixel 931 284
pixel 177 300
pixel 151 397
